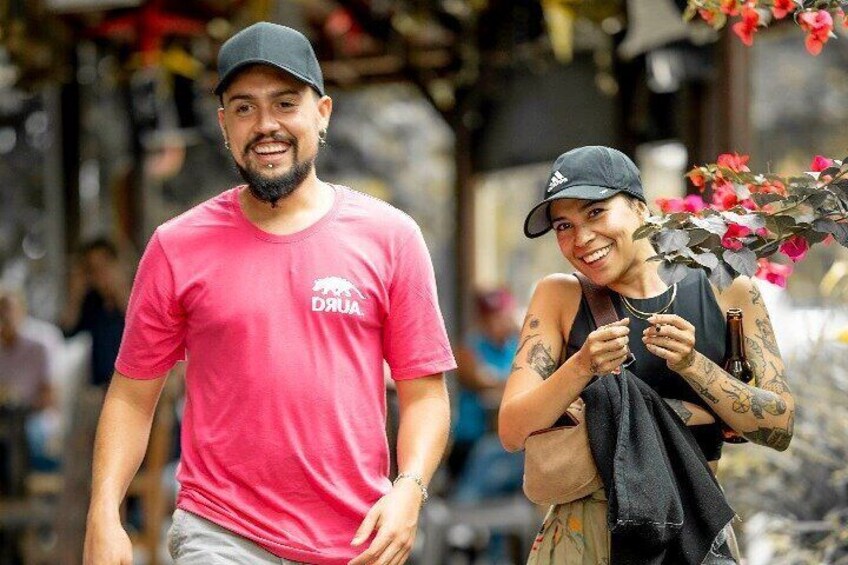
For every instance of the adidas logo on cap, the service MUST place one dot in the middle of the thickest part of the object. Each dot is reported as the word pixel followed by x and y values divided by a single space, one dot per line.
pixel 556 180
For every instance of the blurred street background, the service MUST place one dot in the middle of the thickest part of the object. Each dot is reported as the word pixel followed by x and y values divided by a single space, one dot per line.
pixel 451 110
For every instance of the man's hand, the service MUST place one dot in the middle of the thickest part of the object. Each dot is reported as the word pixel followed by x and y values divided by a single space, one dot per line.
pixel 106 543
pixel 395 518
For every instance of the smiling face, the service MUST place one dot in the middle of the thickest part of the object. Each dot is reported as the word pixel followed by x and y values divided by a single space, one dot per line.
pixel 596 237
pixel 272 123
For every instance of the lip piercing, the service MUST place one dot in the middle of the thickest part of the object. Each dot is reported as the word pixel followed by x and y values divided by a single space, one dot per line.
pixel 270 166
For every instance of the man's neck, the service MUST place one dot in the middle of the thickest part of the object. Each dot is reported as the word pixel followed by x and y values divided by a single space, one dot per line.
pixel 297 211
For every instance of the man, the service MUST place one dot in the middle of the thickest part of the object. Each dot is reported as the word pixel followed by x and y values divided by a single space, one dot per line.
pixel 286 295
pixel 97 301
pixel 25 383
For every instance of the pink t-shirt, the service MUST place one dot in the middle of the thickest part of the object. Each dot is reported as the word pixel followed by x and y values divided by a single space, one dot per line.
pixel 283 438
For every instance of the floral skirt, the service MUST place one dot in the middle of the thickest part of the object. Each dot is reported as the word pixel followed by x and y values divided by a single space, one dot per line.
pixel 576 534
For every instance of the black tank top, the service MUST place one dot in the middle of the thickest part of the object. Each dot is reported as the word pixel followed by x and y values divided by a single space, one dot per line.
pixel 695 303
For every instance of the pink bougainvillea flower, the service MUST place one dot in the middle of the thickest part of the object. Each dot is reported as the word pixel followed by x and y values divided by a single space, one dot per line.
pixel 670 205
pixel 697 178
pixel 775 273
pixel 734 161
pixel 707 15
pixel 770 187
pixel 781 8
pixel 819 25
pixel 724 197
pixel 820 163
pixel 762 232
pixel 731 238
pixel 730 7
pixel 692 203
pixel 795 248
pixel 747 26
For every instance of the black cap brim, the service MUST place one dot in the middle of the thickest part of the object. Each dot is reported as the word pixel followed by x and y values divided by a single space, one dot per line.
pixel 225 80
pixel 538 223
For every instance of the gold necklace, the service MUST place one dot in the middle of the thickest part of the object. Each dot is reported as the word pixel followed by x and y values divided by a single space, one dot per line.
pixel 645 315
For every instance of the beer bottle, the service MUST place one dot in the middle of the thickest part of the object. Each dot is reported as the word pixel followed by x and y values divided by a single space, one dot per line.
pixel 735 362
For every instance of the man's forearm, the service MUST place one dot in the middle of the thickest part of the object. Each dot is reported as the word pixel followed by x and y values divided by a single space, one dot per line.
pixel 121 442
pixel 423 432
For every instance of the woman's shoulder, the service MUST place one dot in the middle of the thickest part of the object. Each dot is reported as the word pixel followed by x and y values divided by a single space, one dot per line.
pixel 559 286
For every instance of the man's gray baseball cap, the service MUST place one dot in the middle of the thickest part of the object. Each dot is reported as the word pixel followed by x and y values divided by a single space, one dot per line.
pixel 586 173
pixel 265 43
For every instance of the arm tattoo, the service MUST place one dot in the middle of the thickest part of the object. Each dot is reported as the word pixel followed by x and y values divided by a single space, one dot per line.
pixel 681 410
pixel 515 365
pixel 767 336
pixel 523 343
pixel 776 383
pixel 776 438
pixel 754 353
pixel 534 323
pixel 756 297
pixel 764 400
pixel 540 360
pixel 704 367
pixel 741 398
pixel 747 399
pixel 686 362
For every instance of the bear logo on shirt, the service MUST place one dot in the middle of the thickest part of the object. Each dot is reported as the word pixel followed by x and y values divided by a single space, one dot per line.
pixel 343 296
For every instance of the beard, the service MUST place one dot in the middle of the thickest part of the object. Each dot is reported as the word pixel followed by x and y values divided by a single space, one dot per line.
pixel 274 188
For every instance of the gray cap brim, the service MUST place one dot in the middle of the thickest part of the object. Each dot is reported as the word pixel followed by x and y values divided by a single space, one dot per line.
pixel 226 80
pixel 538 223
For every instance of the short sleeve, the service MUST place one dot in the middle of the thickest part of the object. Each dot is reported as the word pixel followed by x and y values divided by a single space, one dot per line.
pixel 154 332
pixel 415 342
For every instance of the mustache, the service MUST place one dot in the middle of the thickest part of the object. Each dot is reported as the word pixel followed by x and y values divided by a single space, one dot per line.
pixel 265 138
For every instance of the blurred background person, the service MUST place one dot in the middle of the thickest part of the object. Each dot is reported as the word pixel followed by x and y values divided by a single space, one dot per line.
pixel 98 291
pixel 484 359
pixel 25 392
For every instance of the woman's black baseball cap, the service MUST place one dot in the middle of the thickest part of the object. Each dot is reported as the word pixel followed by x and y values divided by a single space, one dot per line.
pixel 593 172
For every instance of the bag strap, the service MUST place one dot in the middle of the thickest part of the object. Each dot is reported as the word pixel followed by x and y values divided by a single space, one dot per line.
pixel 600 303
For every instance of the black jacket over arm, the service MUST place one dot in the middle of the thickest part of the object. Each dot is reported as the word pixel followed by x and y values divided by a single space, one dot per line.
pixel 665 506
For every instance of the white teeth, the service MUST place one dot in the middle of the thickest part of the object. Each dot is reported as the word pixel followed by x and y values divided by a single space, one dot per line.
pixel 267 148
pixel 597 254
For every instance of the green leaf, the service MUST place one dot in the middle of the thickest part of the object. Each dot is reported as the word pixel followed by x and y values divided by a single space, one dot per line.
pixel 698 236
pixel 818 199
pixel 672 273
pixel 780 224
pixel 838 230
pixel 743 261
pixel 645 230
pixel 751 221
pixel 712 224
pixel 721 276
pixel 671 240
pixel 761 199
pixel 708 260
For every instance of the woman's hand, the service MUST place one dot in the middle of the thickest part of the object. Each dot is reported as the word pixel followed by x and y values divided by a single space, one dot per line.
pixel 606 348
pixel 672 338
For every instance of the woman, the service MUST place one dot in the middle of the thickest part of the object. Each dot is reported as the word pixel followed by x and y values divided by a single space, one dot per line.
pixel 594 202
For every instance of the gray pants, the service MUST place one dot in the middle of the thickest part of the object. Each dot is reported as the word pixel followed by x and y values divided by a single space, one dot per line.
pixel 193 540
